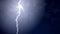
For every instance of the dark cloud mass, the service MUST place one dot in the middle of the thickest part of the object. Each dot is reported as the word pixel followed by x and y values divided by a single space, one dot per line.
pixel 38 17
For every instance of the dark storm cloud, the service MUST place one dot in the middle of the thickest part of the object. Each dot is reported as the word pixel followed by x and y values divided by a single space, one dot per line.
pixel 31 21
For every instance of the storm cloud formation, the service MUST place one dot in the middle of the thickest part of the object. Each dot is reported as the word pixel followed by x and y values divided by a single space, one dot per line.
pixel 38 17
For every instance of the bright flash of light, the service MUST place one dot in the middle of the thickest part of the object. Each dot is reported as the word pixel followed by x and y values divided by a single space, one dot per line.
pixel 19 7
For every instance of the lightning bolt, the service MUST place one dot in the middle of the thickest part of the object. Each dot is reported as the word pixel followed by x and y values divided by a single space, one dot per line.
pixel 19 13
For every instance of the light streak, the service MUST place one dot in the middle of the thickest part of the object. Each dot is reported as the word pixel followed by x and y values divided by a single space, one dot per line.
pixel 19 7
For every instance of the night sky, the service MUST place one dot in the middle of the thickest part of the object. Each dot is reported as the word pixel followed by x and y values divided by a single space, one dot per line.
pixel 40 17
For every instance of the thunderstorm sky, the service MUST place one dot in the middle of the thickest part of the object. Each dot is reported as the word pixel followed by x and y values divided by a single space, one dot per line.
pixel 29 16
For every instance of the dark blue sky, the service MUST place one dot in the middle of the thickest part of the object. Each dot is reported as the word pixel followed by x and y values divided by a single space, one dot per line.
pixel 48 24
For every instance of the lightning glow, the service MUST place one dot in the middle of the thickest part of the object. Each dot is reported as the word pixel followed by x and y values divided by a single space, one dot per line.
pixel 19 7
